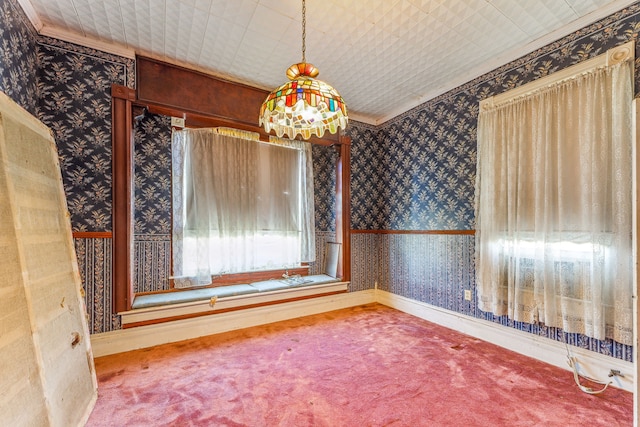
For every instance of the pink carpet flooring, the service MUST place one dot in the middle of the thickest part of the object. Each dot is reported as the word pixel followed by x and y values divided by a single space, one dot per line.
pixel 363 366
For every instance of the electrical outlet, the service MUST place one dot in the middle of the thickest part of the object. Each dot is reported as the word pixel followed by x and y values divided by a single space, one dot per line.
pixel 467 294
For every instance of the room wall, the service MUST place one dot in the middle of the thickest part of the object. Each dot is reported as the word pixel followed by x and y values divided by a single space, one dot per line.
pixel 417 172
pixel 414 172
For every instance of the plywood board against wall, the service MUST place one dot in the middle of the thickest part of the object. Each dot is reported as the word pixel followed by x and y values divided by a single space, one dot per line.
pixel 46 365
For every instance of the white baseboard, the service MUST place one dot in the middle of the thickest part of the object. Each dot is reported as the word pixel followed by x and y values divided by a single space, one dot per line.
pixel 591 364
pixel 123 340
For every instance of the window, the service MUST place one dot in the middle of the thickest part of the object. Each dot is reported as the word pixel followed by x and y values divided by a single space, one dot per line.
pixel 239 204
pixel 554 210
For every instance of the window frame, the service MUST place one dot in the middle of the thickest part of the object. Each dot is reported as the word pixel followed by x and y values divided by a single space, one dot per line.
pixel 124 100
pixel 250 275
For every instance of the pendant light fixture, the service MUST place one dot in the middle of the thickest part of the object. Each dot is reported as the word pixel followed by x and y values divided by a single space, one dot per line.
pixel 304 105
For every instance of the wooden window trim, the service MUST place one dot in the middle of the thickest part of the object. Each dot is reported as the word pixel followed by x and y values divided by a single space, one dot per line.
pixel 122 193
pixel 123 101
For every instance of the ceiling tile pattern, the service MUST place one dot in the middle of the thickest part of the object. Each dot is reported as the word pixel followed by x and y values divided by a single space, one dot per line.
pixel 384 56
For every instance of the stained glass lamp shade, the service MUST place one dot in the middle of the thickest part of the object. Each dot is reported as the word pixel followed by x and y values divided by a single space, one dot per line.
pixel 303 106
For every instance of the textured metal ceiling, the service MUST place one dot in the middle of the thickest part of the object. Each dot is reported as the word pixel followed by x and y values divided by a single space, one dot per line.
pixel 383 56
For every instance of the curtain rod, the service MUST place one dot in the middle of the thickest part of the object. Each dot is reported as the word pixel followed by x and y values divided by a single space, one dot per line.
pixel 611 57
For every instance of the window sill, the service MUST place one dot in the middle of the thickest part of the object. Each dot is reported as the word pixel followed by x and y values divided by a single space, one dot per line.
pixel 156 308
pixel 255 276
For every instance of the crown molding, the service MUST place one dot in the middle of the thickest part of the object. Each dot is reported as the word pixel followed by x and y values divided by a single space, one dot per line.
pixel 28 9
pixel 67 36
pixel 89 42
pixel 363 119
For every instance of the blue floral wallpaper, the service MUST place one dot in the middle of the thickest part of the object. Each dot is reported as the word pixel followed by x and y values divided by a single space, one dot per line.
pixel 417 172
pixel 414 172
pixel 152 175
pixel 324 187
pixel 18 71
pixel 370 193
pixel 152 203
pixel 75 102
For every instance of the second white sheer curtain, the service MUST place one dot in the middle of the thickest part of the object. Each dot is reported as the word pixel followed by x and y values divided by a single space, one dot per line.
pixel 240 205
pixel 554 206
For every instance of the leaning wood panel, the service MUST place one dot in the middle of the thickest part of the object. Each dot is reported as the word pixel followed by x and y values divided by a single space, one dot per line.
pixel 46 364
pixel 19 377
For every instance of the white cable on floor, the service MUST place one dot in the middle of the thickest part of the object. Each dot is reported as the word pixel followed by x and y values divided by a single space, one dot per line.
pixel 576 376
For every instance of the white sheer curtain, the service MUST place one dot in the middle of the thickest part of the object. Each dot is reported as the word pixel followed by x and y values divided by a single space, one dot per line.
pixel 554 206
pixel 239 204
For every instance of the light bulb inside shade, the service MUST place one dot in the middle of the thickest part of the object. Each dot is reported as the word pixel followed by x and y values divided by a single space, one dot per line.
pixel 306 112
pixel 303 106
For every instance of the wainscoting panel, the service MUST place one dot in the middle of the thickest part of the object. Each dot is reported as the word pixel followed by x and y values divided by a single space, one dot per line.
pixel 152 262
pixel 431 268
pixel 365 261
pixel 94 263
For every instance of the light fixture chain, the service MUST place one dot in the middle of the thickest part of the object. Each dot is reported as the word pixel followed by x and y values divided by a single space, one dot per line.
pixel 303 106
pixel 304 29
